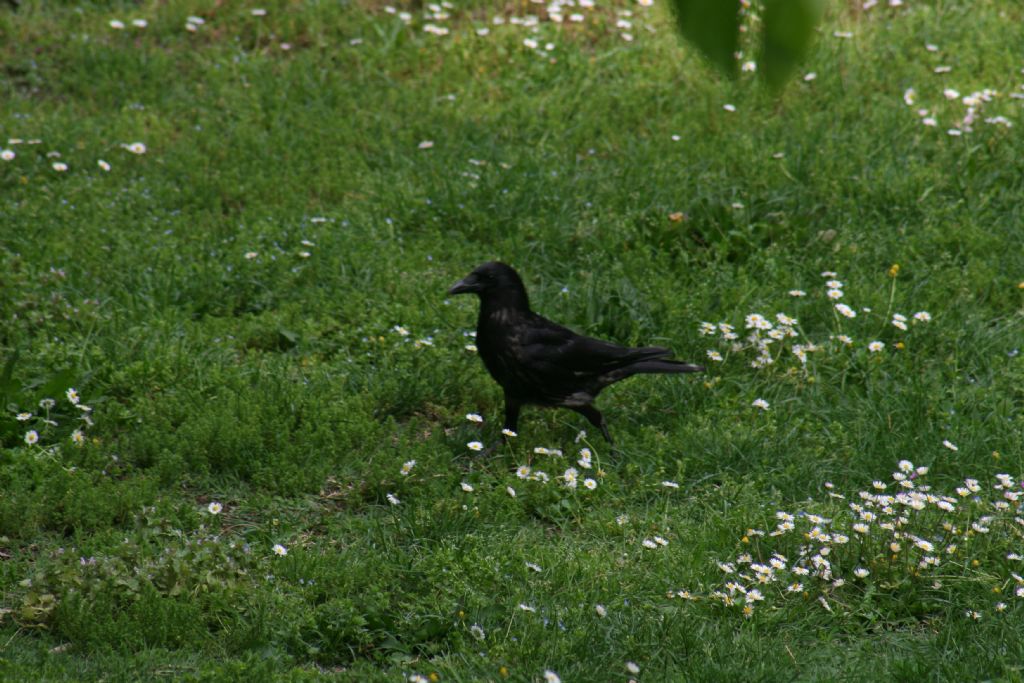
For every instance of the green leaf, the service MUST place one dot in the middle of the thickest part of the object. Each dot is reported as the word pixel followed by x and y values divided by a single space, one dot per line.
pixel 788 32
pixel 713 26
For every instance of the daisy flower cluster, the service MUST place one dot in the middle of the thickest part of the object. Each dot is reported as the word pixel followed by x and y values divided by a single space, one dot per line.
pixel 567 475
pixel 892 532
pixel 17 151
pixel 764 340
pixel 580 474
pixel 440 21
pixel 964 111
pixel 49 424
pixel 399 336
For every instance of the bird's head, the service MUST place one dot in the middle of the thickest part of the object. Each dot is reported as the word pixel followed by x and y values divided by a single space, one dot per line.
pixel 494 282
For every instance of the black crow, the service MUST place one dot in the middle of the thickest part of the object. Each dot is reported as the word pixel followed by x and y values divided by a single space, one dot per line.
pixel 540 362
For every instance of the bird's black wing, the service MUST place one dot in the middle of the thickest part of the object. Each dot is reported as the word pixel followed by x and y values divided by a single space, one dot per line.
pixel 552 349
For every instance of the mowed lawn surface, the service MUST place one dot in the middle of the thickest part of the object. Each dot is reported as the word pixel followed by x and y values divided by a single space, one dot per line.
pixel 235 436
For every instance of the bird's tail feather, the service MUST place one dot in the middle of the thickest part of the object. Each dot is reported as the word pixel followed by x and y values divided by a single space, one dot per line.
pixel 661 365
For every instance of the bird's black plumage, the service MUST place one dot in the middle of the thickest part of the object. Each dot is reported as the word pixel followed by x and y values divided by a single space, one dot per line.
pixel 540 362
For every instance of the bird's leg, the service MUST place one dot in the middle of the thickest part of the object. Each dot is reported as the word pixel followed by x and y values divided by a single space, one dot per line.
pixel 512 407
pixel 596 419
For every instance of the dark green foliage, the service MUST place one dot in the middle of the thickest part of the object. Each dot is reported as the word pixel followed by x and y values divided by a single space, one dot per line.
pixel 714 27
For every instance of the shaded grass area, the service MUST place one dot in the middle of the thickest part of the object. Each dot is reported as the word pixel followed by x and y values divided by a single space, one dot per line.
pixel 254 311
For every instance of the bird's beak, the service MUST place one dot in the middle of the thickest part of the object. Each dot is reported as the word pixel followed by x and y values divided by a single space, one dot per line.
pixel 466 285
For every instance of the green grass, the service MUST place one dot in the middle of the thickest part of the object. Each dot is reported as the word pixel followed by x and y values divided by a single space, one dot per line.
pixel 279 387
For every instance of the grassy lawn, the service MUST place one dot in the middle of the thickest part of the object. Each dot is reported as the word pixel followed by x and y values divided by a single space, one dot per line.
pixel 233 439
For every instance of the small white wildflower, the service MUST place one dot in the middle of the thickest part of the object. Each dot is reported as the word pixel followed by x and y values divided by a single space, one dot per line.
pixel 923 316
pixel 714 355
pixel 523 471
pixel 797 292
pixel 475 446
pixel 632 667
pixel 393 499
pixel 786 320
pixel 468 488
pixel 760 403
pixel 473 417
pixel 570 476
pixel 846 311
pixel 510 491
pixel 214 508
pixel 601 611
pixel 876 346
pixel 589 484
pixel 407 467
pixel 534 567
pixel 477 632
pixel 280 550
pixel 136 147
pixel 31 437
pixel 509 433
pixel 585 459
pixel 950 445
pixel 860 572
pixel 670 484
pixel 757 321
